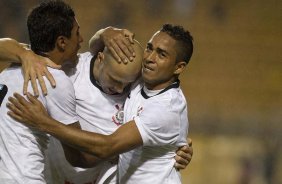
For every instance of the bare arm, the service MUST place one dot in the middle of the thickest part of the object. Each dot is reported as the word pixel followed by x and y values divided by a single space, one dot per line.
pixel 34 66
pixel 33 114
pixel 126 138
pixel 77 158
pixel 118 41
pixel 10 50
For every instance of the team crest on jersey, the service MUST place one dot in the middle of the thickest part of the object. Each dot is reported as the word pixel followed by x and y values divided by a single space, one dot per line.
pixel 118 117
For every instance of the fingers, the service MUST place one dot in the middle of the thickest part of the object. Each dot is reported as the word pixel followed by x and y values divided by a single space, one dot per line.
pixel 14 110
pixel 182 161
pixel 122 50
pixel 186 149
pixel 34 85
pixel 126 48
pixel 42 84
pixel 129 35
pixel 21 100
pixel 118 49
pixel 26 80
pixel 32 99
pixel 16 103
pixel 15 116
pixel 50 78
pixel 115 55
pixel 119 42
pixel 179 166
pixel 184 155
pixel 190 142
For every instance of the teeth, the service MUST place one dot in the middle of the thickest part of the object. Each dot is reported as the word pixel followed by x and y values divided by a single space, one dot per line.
pixel 148 68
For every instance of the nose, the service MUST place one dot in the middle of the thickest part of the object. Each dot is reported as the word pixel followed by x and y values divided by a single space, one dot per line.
pixel 119 88
pixel 150 57
pixel 80 39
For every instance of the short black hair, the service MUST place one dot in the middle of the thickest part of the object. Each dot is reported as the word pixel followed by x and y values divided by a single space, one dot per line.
pixel 184 39
pixel 48 21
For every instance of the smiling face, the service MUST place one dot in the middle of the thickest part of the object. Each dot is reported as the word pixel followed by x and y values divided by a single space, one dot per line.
pixel 159 63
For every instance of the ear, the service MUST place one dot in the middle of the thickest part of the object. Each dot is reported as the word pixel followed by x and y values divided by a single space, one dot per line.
pixel 100 57
pixel 179 67
pixel 61 43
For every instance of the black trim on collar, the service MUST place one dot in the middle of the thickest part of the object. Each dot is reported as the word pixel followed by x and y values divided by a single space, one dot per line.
pixel 92 78
pixel 176 84
pixel 3 92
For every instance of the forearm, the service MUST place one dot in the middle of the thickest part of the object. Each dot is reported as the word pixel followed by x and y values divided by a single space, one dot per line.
pixel 77 158
pixel 80 159
pixel 11 50
pixel 89 142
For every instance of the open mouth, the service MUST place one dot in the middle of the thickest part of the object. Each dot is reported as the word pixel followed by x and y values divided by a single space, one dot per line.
pixel 148 68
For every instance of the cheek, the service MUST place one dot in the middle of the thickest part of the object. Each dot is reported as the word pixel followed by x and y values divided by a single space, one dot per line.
pixel 104 81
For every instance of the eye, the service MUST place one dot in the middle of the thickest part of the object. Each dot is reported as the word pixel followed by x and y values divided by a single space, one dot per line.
pixel 162 55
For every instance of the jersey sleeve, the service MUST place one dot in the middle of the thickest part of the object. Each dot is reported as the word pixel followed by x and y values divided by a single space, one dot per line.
pixel 158 124
pixel 60 101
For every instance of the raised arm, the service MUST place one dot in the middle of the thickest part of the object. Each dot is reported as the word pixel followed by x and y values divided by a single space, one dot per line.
pixel 34 66
pixel 11 50
pixel 118 41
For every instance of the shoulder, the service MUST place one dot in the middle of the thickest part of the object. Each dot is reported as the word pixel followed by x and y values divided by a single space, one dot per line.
pixel 63 82
pixel 168 100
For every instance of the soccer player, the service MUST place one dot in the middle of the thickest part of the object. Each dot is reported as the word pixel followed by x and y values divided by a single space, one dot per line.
pixel 22 148
pixel 155 112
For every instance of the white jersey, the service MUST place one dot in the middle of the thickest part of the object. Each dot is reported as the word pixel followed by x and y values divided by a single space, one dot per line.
pixel 22 148
pixel 98 112
pixel 161 118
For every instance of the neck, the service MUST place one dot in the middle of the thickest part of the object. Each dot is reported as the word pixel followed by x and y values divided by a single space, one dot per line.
pixel 152 86
pixel 52 55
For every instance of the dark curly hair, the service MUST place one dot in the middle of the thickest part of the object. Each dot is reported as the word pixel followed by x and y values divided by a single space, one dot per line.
pixel 184 39
pixel 47 22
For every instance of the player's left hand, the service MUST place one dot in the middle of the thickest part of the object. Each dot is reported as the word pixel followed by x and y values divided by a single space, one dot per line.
pixel 184 156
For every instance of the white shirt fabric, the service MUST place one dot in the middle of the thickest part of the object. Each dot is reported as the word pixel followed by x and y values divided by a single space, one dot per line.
pixel 162 121
pixel 98 112
pixel 22 148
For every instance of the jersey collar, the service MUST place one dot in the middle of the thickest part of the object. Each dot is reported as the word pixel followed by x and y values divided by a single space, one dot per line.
pixel 176 84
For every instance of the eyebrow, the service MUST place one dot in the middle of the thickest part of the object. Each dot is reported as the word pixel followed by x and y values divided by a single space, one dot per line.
pixel 159 50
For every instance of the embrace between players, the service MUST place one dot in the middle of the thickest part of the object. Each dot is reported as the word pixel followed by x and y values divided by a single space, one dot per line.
pixel 115 114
